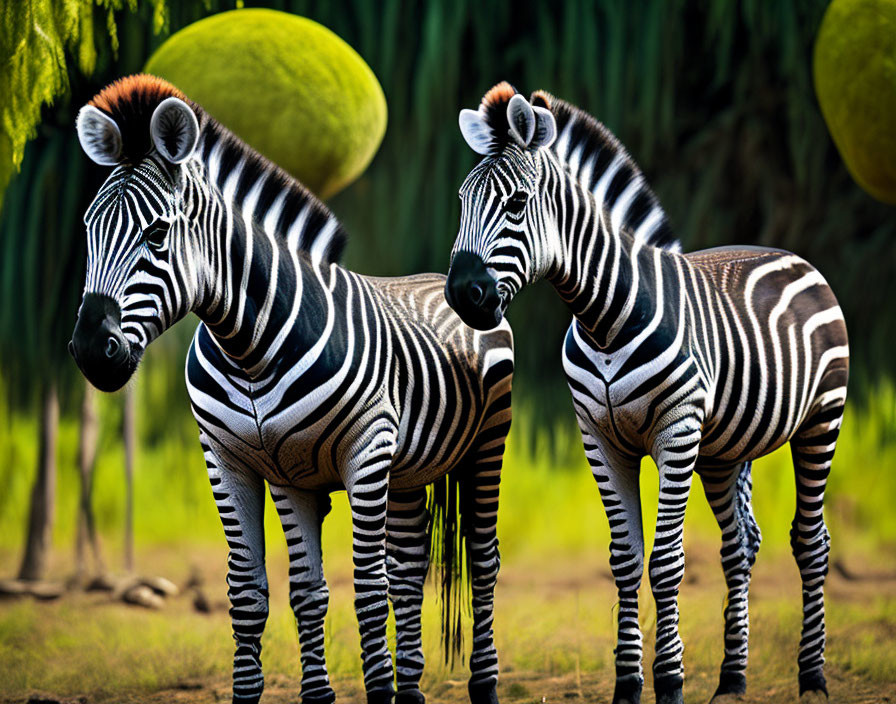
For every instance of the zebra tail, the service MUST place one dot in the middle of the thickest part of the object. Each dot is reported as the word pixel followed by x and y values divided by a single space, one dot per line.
pixel 447 552
pixel 743 504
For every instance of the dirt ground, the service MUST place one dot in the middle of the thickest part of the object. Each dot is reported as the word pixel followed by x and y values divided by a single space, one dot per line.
pixel 576 662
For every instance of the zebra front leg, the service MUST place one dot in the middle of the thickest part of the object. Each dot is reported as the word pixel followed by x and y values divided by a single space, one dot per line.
pixel 617 481
pixel 367 483
pixel 407 562
pixel 239 495
pixel 302 513
pixel 729 493
pixel 676 469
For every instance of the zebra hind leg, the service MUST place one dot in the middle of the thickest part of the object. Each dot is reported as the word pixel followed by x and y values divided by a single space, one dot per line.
pixel 813 449
pixel 407 562
pixel 479 519
pixel 366 479
pixel 729 493
pixel 302 513
pixel 479 492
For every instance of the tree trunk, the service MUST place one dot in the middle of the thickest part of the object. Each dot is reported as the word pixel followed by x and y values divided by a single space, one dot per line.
pixel 130 442
pixel 43 493
pixel 87 535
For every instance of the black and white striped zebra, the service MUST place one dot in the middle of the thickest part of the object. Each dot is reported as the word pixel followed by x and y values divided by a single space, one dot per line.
pixel 704 361
pixel 303 374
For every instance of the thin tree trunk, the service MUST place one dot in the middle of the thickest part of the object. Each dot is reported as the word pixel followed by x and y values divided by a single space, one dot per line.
pixel 43 493
pixel 87 535
pixel 130 442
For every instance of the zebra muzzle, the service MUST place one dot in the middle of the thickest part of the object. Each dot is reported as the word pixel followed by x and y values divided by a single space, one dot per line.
pixel 473 292
pixel 98 345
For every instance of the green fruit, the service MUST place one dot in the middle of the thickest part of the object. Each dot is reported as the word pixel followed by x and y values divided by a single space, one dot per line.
pixel 855 80
pixel 286 85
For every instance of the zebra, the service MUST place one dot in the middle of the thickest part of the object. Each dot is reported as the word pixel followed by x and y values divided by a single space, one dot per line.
pixel 302 374
pixel 703 361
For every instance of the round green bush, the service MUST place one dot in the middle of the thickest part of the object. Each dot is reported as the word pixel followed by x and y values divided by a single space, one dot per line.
pixel 855 80
pixel 286 85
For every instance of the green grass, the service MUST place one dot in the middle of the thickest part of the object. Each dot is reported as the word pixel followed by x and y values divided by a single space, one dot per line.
pixel 549 507
pixel 554 631
pixel 555 598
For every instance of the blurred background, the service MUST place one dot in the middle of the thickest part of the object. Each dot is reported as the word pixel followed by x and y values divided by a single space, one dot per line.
pixel 716 102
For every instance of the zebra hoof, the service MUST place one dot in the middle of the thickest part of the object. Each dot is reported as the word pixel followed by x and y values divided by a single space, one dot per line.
pixel 484 693
pixel 813 687
pixel 628 690
pixel 380 696
pixel 668 690
pixel 327 698
pixel 731 686
pixel 410 696
pixel 253 699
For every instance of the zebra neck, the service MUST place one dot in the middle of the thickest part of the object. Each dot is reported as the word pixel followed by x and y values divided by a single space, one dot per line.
pixel 263 298
pixel 608 279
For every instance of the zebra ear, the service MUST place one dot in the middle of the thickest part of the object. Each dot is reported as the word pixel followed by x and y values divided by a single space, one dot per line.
pixel 545 128
pixel 521 119
pixel 174 130
pixel 476 131
pixel 99 136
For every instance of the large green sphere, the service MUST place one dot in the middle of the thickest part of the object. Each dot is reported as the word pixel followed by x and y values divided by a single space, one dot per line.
pixel 287 86
pixel 855 79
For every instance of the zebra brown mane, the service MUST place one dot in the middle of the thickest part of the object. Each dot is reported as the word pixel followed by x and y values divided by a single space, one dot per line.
pixel 587 148
pixel 131 101
pixel 494 109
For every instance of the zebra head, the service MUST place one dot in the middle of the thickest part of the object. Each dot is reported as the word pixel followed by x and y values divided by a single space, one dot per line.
pixel 507 230
pixel 137 244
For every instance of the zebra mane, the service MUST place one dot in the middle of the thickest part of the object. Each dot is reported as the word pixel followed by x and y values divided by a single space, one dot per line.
pixel 322 235
pixel 131 102
pixel 588 149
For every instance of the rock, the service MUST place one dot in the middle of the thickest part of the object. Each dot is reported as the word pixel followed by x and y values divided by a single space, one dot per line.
pixel 141 595
pixel 124 585
pixel 12 588
pixel 286 85
pixel 161 586
pixel 46 591
pixel 201 602
pixel 100 583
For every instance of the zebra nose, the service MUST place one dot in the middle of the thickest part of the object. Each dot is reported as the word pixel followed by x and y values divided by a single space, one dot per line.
pixel 112 347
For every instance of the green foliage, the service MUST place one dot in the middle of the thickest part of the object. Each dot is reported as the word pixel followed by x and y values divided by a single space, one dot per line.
pixel 855 79
pixel 40 43
pixel 60 53
pixel 288 86
pixel 713 99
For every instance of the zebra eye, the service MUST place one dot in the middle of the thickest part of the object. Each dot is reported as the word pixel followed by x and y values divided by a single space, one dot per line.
pixel 516 204
pixel 154 235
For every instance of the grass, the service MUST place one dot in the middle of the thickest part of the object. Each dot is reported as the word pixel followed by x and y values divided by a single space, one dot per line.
pixel 550 506
pixel 555 600
pixel 554 631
